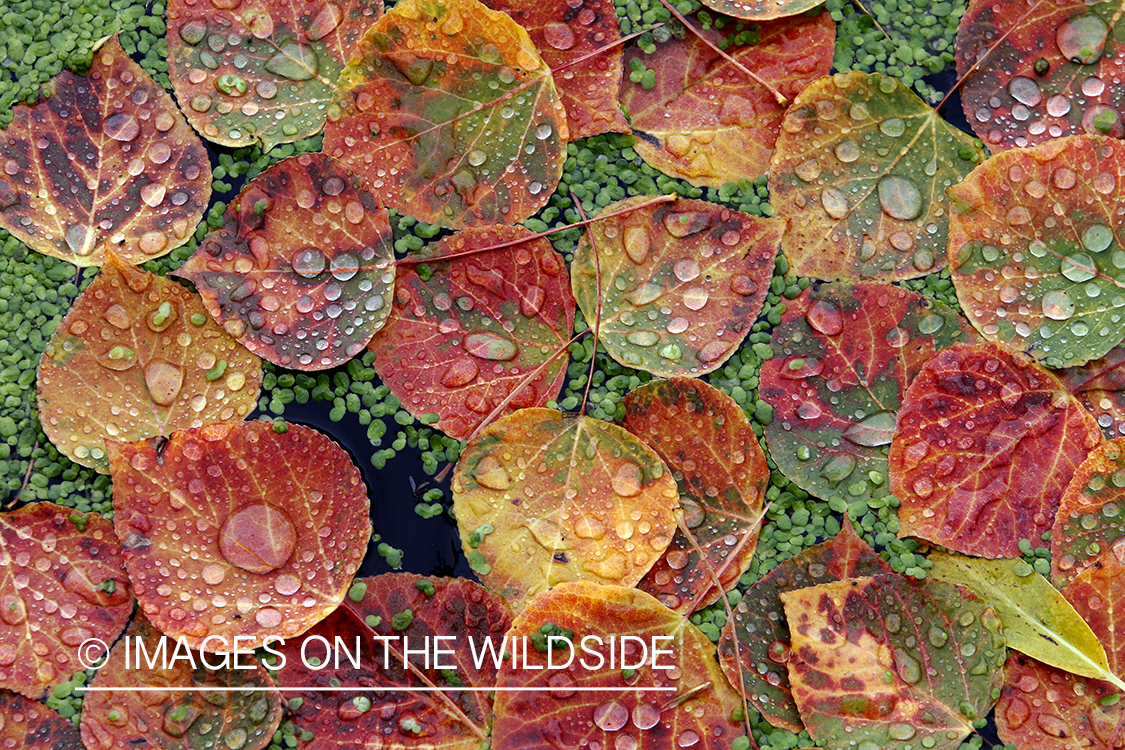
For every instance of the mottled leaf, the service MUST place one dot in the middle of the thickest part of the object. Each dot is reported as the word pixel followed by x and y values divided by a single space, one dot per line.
pixel 755 646
pixel 564 32
pixel 408 614
pixel 137 357
pixel 1089 520
pixel 1099 385
pixel 33 726
pixel 465 333
pixel 1034 253
pixel 200 711
pixel 722 475
pixel 694 711
pixel 542 497
pixel 451 116
pixel 681 282
pixel 861 170
pixel 107 161
pixel 302 269
pixel 261 71
pixel 266 530
pixel 843 357
pixel 892 662
pixel 707 120
pixel 63 582
pixel 761 10
pixel 985 444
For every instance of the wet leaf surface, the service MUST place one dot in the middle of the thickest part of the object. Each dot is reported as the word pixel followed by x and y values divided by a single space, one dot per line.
pixel 681 282
pixel 986 442
pixel 761 10
pixel 543 497
pixel 704 437
pixel 1052 286
pixel 1099 385
pixel 1089 522
pixel 706 120
pixel 843 357
pixel 31 725
pixel 187 716
pixel 280 525
pixel 261 71
pixel 755 647
pixel 107 161
pixel 861 170
pixel 694 712
pixel 451 116
pixel 892 662
pixel 305 278
pixel 456 609
pixel 138 357
pixel 63 583
pixel 466 333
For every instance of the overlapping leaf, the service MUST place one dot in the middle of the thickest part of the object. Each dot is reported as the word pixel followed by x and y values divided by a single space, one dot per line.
pixel 707 120
pixel 680 282
pixel 404 611
pixel 722 475
pixel 843 357
pixel 761 10
pixel 986 442
pixel 557 708
pixel 1034 253
pixel 30 725
pixel 861 170
pixel 451 116
pixel 206 707
pixel 466 333
pixel 755 647
pixel 892 662
pixel 63 582
pixel 1099 385
pixel 138 357
pixel 235 529
pixel 302 269
pixel 107 161
pixel 543 497
pixel 261 71
pixel 1089 521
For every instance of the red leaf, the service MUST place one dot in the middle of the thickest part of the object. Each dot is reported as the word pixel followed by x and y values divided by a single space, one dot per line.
pixel 1099 385
pixel 32 726
pixel 1088 523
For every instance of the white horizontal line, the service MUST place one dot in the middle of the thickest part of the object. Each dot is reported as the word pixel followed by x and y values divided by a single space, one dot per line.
pixel 377 689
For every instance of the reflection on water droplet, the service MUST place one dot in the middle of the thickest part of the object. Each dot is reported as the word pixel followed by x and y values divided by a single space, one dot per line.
pixel 164 381
pixel 825 317
pixel 834 202
pixel 847 151
pixel 642 338
pixel 477 157
pixel 1082 38
pixel 1097 238
pixel 636 244
pixel 1057 305
pixel 875 430
pixel 80 239
pixel 463 371
pixel 1025 91
pixel 295 62
pixel 308 262
pixel 808 170
pixel 490 346
pixel 259 538
pixel 899 198
pixel 491 473
pixel 893 127
pixel 344 266
pixel 1078 267
pixel 558 35
pixel 121 126
pixel 627 481
pixel 611 716
pixel 213 574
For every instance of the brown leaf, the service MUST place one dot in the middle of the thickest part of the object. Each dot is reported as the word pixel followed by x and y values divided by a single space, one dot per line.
pixel 32 726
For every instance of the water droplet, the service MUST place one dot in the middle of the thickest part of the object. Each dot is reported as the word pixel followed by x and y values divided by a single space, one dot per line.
pixel 611 716
pixel 645 716
pixel 825 317
pixel 491 473
pixel 893 127
pixel 543 131
pixel 477 157
pixel 1097 238
pixel 213 574
pixel 259 538
pixel 695 298
pixel 1082 38
pixel 490 346
pixel 1025 91
pixel 687 738
pixel 627 481
pixel 642 338
pixel 164 381
pixel 80 239
pixel 636 244
pixel 838 468
pixel 344 266
pixel 1057 305
pixel 834 202
pixel 295 62
pixel 121 126
pixel 808 170
pixel 899 198
pixel 1078 267
pixel 193 32
pixel 268 617
pixel 874 430
pixel 462 372
pixel 901 731
pixel 308 262
pixel 558 35
pixel 847 151
pixel 325 22
pixel 1058 105
pixel 907 666
pixel 686 270
pixel 153 194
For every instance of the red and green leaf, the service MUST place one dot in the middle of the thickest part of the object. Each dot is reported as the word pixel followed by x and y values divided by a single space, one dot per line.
pixel 1099 385
pixel 1089 521
pixel 32 726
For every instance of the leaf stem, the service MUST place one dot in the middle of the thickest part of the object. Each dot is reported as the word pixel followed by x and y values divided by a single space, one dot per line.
pixel 600 50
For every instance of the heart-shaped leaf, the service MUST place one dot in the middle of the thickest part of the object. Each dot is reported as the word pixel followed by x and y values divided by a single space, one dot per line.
pixel 64 584
pixel 680 282
pixel 1099 385
pixel 278 526
pixel 302 270
pixel 107 161
pixel 138 357
pixel 32 726
pixel 1089 520
pixel 986 442
pixel 261 71
pixel 466 332
pixel 706 120
pixel 451 116
pixel 722 475
pixel 861 170
pixel 542 497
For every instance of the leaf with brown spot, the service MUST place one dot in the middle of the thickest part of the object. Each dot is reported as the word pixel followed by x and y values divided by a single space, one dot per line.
pixel 892 662
pixel 268 529
pixel 545 708
pixel 64 582
pixel 121 167
pixel 755 646
pixel 722 476
pixel 706 120
pixel 198 711
pixel 32 726
pixel 302 270
pixel 128 363
pixel 1099 385
pixel 986 442
pixel 460 612
pixel 542 497
pixel 1089 523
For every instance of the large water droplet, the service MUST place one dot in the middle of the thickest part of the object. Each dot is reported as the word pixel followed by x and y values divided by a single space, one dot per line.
pixel 1082 38
pixel 847 151
pixel 1057 305
pixel 838 468
pixel 344 266
pixel 259 538
pixel 121 126
pixel 834 202
pixel 636 244
pixel 1097 238
pixel 1025 91
pixel 325 22
pixel 825 317
pixel 627 481
pixel 642 338
pixel 876 429
pixel 558 35
pixel 80 239
pixel 893 127
pixel 462 372
pixel 490 346
pixel 164 381
pixel 295 62
pixel 308 262
pixel 611 716
pixel 491 473
pixel 899 198
pixel 1078 267
pixel 645 716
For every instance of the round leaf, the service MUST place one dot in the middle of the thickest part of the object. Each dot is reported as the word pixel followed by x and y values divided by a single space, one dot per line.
pixel 465 333
pixel 543 497
pixel 137 357
pixel 1099 385
pixel 302 269
pixel 681 282
pixel 107 161
pixel 1089 522
pixel 861 170
pixel 32 726
pixel 267 530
